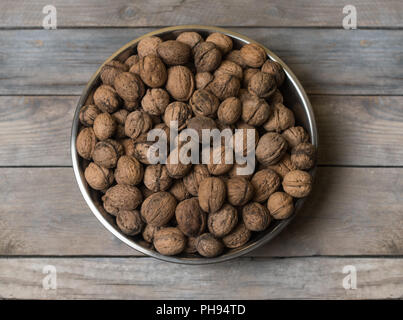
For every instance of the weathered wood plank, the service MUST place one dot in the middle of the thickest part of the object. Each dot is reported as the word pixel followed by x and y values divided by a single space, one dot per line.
pixel 145 278
pixel 353 130
pixel 275 13
pixel 352 211
pixel 327 61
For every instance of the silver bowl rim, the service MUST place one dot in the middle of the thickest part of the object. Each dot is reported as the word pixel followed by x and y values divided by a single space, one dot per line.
pixel 235 253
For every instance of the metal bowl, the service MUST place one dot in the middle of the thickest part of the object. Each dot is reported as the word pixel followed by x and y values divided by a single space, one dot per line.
pixel 294 98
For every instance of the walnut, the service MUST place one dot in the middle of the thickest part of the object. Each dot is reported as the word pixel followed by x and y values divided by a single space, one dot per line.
pixel 132 60
pixel 156 178
pixel 283 166
pixel 203 79
pixel 262 84
pixel 208 246
pixel 128 171
pixel 85 143
pixel 135 68
pixel 220 161
pixel 239 191
pixel 174 52
pixel 155 101
pixel 191 38
pixel 270 148
pixel 110 70
pixel 238 237
pixel 255 111
pixel 104 126
pixel 280 119
pixel 192 180
pixel 141 150
pixel 295 135
pixel 179 191
pixel 255 216
pixel 158 208
pixel 265 182
pixel 99 178
pixel 241 139
pixel 247 75
pixel 280 205
pixel 253 55
pixel 224 86
pixel 88 114
pixel 177 111
pixel 229 110
pixel 130 106
pixel 234 171
pixel 222 42
pixel 106 99
pixel 106 153
pixel 297 183
pixel 180 83
pixel 235 56
pixel 128 146
pixel 190 217
pixel 177 169
pixel 148 232
pixel 200 123
pixel 207 57
pixel 190 245
pixel 129 86
pixel 129 221
pixel 153 71
pixel 122 197
pixel 303 156
pixel 169 241
pixel 276 98
pixel 276 70
pixel 230 68
pixel 148 46
pixel 211 194
pixel 204 103
pixel 120 119
pixel 137 123
pixel 223 221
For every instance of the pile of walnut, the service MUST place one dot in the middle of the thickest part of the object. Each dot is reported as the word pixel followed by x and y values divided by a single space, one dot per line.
pixel 201 84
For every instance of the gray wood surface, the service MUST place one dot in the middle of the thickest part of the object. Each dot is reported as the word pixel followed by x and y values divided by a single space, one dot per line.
pixel 353 130
pixel 327 61
pixel 138 13
pixel 145 278
pixel 352 211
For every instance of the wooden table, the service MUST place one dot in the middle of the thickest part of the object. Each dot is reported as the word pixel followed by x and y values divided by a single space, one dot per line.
pixel 354 217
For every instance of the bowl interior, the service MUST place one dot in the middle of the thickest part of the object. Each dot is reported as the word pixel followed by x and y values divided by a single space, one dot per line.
pixel 294 98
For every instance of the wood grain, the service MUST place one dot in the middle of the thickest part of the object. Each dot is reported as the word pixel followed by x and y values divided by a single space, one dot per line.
pixel 145 278
pixel 352 211
pixel 327 61
pixel 353 130
pixel 274 13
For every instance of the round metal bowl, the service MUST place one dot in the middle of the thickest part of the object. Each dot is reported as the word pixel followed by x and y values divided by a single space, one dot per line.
pixel 294 98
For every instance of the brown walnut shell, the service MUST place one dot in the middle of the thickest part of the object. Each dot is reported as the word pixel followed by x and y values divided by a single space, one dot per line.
pixel 208 246
pixel 153 71
pixel 229 110
pixel 179 191
pixel 130 222
pixel 169 241
pixel 220 162
pixel 295 135
pixel 123 197
pixel 297 184
pixel 85 143
pixel 106 99
pixel 191 38
pixel 106 153
pixel 253 55
pixel 229 68
pixel 104 126
pixel 141 150
pixel 211 194
pixel 265 182
pixel 255 216
pixel 132 60
pixel 235 56
pixel 270 148
pixel 202 79
pixel 204 103
pixel 280 205
pixel 174 52
pixel 255 111
pixel 238 237
pixel 88 114
pixel 137 123
pixel 148 232
pixel 155 101
pixel 110 70
pixel 223 221
pixel 200 123
pixel 303 156
pixel 177 111
pixel 239 191
pixel 280 119
pixel 247 75
pixel 222 41
pixel 177 169
pixel 224 86
pixel 128 171
pixel 158 208
pixel 148 46
pixel 190 217
pixel 99 178
pixel 283 166
pixel 276 70
pixel 195 177
pixel 180 83
pixel 156 178
pixel 207 57
pixel 262 84
pixel 129 86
